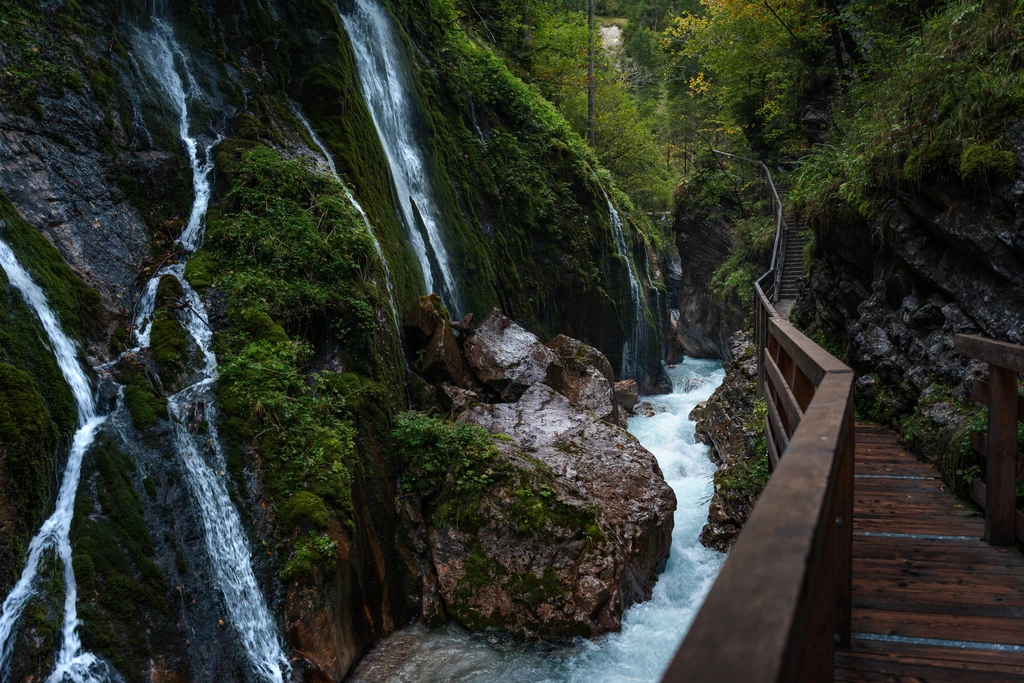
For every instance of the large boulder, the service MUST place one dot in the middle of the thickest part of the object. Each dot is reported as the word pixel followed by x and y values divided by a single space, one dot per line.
pixel 574 531
pixel 437 357
pixel 627 393
pixel 506 358
pixel 584 376
pixel 424 318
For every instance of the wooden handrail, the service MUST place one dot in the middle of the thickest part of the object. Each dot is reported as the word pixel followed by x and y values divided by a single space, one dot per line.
pixel 782 602
pixel 998 495
pixel 778 250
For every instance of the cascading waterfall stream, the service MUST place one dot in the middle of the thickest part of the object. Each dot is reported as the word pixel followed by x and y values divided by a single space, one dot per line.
pixel 630 366
pixel 71 663
pixel 386 85
pixel 366 222
pixel 201 453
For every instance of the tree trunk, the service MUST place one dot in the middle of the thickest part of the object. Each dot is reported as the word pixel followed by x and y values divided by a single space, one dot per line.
pixel 590 72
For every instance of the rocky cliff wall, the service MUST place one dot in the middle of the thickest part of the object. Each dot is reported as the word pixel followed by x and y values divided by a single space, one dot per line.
pixel 888 298
pixel 90 157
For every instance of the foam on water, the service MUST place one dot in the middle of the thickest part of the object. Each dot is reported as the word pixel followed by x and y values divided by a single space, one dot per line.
pixel 651 631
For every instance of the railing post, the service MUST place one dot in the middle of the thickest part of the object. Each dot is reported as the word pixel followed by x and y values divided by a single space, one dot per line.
pixel 844 546
pixel 760 342
pixel 1001 465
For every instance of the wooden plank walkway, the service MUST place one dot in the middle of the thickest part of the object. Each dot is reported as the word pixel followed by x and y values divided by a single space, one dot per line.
pixel 931 601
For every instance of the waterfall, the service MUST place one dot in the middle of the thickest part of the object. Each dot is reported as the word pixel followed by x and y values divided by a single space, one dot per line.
pixel 387 87
pixel 71 661
pixel 637 339
pixel 201 453
pixel 366 222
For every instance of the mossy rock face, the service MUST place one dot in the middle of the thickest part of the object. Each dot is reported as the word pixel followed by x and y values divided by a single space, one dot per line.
pixel 123 595
pixel 172 349
pixel 520 548
pixel 37 410
pixel 28 440
pixel 77 306
pixel 140 398
pixel 304 508
pixel 201 270
pixel 170 346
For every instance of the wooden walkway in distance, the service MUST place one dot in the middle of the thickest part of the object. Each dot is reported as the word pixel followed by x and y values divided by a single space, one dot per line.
pixel 931 601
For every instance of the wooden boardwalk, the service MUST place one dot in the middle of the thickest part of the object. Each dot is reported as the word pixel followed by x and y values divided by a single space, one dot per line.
pixel 931 601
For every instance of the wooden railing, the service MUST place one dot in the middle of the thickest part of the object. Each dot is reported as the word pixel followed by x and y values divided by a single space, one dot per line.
pixel 769 284
pixel 1003 464
pixel 781 604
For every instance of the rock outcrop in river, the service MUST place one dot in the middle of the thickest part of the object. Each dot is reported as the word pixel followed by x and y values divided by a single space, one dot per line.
pixel 578 522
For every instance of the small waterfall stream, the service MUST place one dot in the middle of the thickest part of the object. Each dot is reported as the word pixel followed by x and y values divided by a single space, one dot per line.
pixel 200 449
pixel 386 85
pixel 71 662
pixel 634 345
pixel 392 298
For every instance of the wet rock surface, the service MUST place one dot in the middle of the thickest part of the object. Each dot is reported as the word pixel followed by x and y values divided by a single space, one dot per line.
pixel 506 358
pixel 583 521
pixel 579 520
pixel 725 423
pixel 701 324
pixel 584 376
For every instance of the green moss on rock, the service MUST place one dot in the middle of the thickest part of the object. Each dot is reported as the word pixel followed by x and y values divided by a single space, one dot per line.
pixel 77 306
pixel 28 439
pixel 122 591
pixel 304 507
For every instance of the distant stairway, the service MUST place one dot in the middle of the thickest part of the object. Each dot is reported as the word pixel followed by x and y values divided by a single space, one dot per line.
pixel 794 241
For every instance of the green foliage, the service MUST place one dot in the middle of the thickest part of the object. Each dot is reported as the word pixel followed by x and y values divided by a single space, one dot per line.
pixel 754 238
pixel 947 445
pixel 747 66
pixel 745 478
pixel 297 423
pixel 291 245
pixel 312 551
pixel 440 455
pixel 935 103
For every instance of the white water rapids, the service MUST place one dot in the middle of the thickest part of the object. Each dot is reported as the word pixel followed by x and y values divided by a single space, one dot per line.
pixel 71 662
pixel 651 631
pixel 387 87
pixel 200 450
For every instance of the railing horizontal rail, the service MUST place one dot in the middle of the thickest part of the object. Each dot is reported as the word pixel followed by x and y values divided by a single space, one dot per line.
pixel 758 623
pixel 781 603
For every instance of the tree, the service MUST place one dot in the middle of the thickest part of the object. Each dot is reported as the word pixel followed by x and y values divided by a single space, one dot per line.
pixel 591 87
